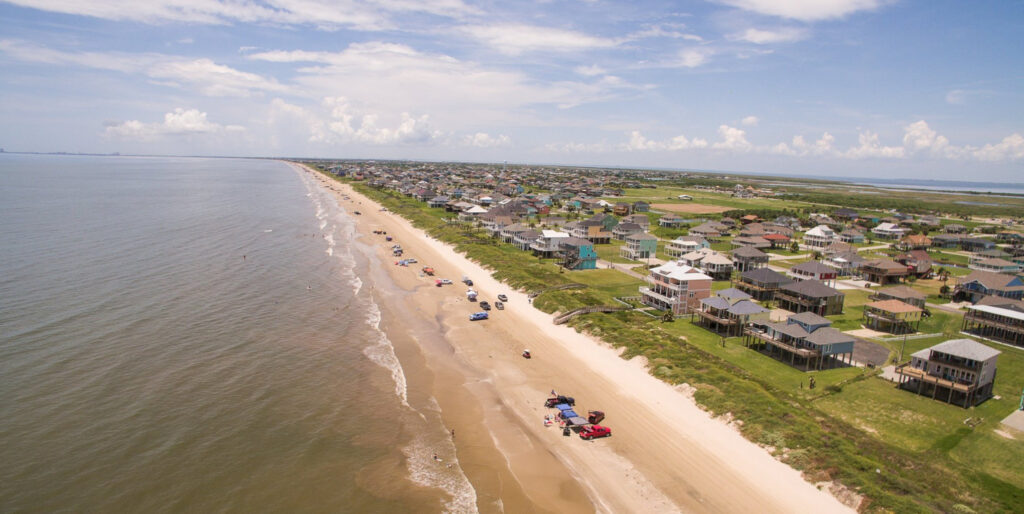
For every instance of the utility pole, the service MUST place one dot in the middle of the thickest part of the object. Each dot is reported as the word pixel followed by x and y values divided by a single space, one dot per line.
pixel 903 348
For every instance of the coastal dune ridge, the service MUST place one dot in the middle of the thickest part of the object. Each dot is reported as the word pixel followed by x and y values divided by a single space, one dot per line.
pixel 667 454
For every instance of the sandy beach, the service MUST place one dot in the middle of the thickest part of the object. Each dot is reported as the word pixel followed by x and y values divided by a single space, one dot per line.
pixel 666 454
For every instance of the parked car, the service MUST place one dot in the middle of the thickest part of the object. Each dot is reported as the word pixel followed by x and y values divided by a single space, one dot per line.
pixel 445 281
pixel 499 305
pixel 411 260
pixel 485 306
pixel 502 297
pixel 477 316
pixel 555 400
pixel 595 431
pixel 595 416
pixel 467 281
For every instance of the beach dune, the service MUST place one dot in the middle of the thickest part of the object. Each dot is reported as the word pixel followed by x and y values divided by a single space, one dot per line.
pixel 665 455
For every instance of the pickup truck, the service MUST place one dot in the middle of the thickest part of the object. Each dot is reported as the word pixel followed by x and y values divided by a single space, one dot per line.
pixel 595 431
pixel 485 306
pixel 477 316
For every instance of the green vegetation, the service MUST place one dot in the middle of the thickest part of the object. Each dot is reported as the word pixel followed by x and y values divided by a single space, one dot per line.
pixel 903 452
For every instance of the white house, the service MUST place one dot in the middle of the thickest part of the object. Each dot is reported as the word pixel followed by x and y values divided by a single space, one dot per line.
pixel 889 231
pixel 819 237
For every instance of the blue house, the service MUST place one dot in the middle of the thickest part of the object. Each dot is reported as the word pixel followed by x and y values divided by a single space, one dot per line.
pixel 578 253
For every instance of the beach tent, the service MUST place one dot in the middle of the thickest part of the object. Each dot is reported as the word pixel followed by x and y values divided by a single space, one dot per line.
pixel 569 414
pixel 563 407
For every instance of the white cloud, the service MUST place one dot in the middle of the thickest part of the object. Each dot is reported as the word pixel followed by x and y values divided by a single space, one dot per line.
pixel 517 39
pixel 666 31
pixel 484 140
pixel 387 77
pixel 322 14
pixel 203 75
pixel 733 139
pixel 918 138
pixel 870 146
pixel 750 121
pixel 180 122
pixel 805 10
pixel 1010 148
pixel 348 125
pixel 763 37
pixel 590 71
pixel 690 57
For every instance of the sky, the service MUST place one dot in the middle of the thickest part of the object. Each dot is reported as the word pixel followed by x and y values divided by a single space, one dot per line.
pixel 845 88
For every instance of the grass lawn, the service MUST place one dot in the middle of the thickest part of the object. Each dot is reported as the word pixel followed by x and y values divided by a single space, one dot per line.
pixel 722 246
pixel 921 424
pixel 610 252
pixel 778 373
pixel 948 258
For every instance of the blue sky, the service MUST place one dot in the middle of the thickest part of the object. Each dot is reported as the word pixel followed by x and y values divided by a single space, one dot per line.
pixel 873 88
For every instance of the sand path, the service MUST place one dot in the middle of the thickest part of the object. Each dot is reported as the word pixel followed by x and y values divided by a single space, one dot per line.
pixel 665 455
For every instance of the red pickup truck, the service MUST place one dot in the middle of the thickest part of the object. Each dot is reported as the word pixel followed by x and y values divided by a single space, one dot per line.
pixel 595 431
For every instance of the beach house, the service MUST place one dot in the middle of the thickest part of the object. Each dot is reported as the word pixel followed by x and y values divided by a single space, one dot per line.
pixel 813 270
pixel 980 284
pixel 810 296
pixel 549 243
pixel 892 316
pixel 901 293
pixel 577 254
pixel 805 340
pixel 883 271
pixel 819 236
pixel 685 244
pixel 675 287
pixel 888 231
pixel 845 263
pixel 728 312
pixel 762 283
pixel 1004 323
pixel 959 371
pixel 639 246
pixel 746 258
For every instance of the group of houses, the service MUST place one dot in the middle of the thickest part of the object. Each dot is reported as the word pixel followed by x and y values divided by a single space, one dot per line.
pixel 959 371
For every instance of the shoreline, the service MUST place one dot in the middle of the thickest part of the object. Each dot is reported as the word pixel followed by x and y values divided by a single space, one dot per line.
pixel 666 454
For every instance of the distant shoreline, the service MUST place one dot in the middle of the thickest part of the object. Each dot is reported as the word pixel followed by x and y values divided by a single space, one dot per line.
pixel 892 184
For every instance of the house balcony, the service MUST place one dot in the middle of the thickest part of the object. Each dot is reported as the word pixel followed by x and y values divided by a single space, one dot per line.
pixel 670 300
pixel 766 338
pixel 957 385
pixel 799 300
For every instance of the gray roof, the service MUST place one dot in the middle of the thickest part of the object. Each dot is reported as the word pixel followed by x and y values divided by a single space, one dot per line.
pixel 717 302
pixel 732 292
pixel 829 335
pixel 814 267
pixel 900 292
pixel 810 318
pixel 790 329
pixel 812 288
pixel 749 252
pixel 766 275
pixel 967 349
pixel 744 307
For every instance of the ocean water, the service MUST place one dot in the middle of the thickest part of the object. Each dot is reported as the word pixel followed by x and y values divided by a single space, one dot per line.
pixel 200 335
